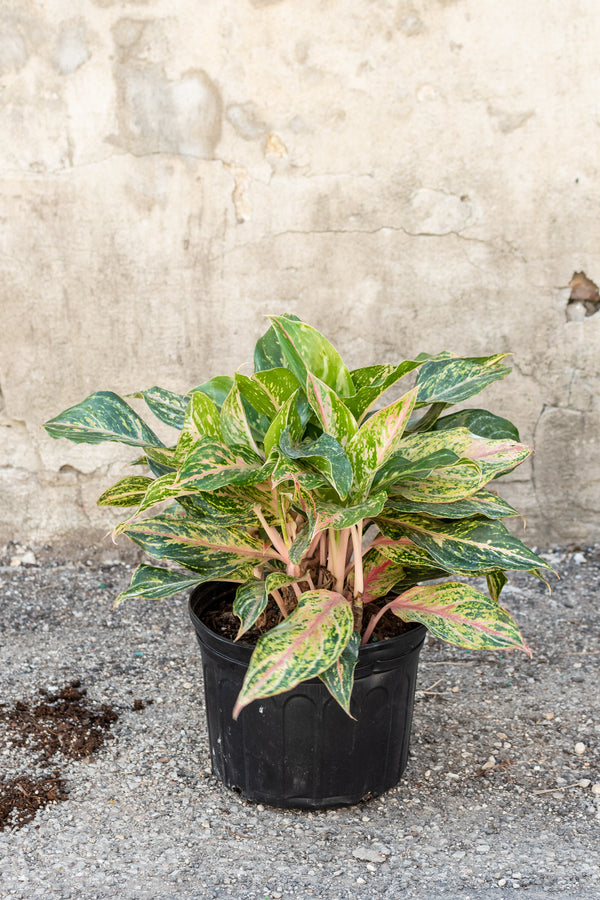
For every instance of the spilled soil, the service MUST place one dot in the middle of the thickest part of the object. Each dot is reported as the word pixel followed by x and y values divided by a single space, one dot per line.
pixel 53 727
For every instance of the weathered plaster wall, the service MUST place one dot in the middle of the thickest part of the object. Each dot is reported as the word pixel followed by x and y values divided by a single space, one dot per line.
pixel 406 176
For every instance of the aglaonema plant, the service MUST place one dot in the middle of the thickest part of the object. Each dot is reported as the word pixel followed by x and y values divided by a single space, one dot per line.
pixel 292 485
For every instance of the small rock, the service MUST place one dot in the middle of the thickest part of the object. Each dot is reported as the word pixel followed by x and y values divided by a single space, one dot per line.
pixel 369 854
pixel 502 882
pixel 482 848
pixel 489 764
pixel 579 748
pixel 584 783
pixel 596 789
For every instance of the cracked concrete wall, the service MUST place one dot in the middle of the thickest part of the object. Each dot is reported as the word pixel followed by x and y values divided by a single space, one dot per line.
pixel 406 175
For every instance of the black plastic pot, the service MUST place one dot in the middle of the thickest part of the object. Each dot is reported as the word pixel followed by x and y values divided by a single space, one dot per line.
pixel 300 749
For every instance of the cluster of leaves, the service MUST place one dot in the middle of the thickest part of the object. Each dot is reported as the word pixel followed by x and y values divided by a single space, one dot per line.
pixel 274 479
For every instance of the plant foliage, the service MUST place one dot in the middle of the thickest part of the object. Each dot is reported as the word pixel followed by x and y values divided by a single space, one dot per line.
pixel 271 480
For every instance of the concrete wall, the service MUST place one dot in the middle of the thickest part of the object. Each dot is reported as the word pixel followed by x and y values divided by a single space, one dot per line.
pixel 406 175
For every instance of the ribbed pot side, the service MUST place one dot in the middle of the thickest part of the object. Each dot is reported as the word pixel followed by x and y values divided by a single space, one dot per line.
pixel 300 749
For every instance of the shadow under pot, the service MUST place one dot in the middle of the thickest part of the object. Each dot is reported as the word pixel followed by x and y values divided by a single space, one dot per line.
pixel 300 749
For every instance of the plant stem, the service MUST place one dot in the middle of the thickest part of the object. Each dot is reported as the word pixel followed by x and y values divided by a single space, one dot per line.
pixel 273 534
pixel 359 583
pixel 279 601
pixel 373 622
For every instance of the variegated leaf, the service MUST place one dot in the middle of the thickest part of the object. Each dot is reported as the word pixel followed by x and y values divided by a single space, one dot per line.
pixel 372 382
pixel 234 422
pixel 151 583
pixel 251 599
pixel 451 379
pixel 255 394
pixel 229 505
pixel 167 406
pixel 480 422
pixel 465 547
pixel 461 615
pixel 216 388
pixel 495 582
pixel 288 417
pixel 398 468
pixel 425 421
pixel 101 417
pixel 304 645
pixel 375 442
pixel 293 470
pixel 126 492
pixel 202 418
pixel 306 350
pixel 334 416
pixel 381 574
pixel 325 455
pixel 163 458
pixel 199 545
pixel 451 483
pixel 339 678
pixel 483 503
pixel 278 384
pixel 267 352
pixel 212 465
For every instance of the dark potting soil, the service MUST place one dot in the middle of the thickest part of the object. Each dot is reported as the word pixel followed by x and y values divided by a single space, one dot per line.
pixel 222 620
pixel 62 724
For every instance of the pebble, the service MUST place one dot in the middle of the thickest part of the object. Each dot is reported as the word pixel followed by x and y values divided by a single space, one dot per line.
pixel 596 789
pixel 579 748
pixel 369 854
pixel 24 559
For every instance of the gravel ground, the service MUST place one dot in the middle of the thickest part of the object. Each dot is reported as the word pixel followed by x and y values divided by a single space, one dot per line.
pixel 501 797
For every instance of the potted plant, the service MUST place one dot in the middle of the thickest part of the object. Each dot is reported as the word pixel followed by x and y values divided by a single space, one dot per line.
pixel 331 533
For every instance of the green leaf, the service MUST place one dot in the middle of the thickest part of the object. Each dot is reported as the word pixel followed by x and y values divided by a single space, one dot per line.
pixel 496 581
pixel 339 677
pixel 251 599
pixel 278 384
pixel 479 422
pixel 203 545
pixel 451 379
pixel 268 353
pixel 483 503
pixel 167 406
pixel 334 416
pixel 325 455
pixel 461 615
pixel 102 416
pixel 304 645
pixel 306 350
pixel 152 583
pixel 465 547
pixel 216 388
pixel 376 440
pixel 126 492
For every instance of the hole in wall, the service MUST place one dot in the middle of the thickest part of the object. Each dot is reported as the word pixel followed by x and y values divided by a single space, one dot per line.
pixel 584 299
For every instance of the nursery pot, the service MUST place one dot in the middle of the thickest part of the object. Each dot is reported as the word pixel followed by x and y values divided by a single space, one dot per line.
pixel 300 749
